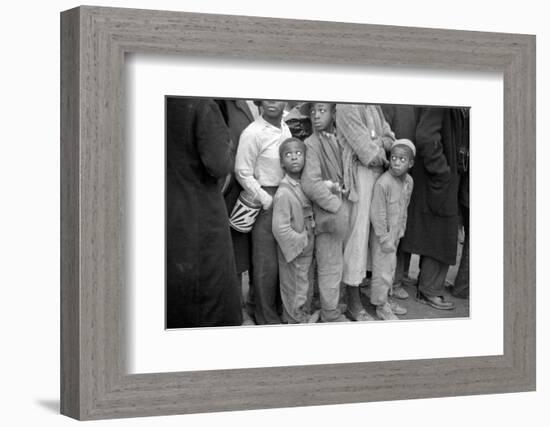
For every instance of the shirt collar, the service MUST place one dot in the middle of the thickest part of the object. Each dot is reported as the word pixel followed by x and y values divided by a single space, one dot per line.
pixel 291 181
pixel 266 123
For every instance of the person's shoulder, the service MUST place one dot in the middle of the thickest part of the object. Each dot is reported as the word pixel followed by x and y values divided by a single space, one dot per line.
pixel 283 192
pixel 204 104
pixel 312 142
pixel 251 130
pixel 385 178
pixel 345 107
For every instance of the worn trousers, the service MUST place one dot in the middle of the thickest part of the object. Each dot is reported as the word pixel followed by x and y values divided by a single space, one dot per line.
pixel 431 280
pixel 356 251
pixel 265 268
pixel 402 266
pixel 296 282
pixel 329 254
pixel 383 271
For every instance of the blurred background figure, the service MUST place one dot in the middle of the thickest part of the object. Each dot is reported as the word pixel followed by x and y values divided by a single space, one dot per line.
pixel 238 114
pixel 461 287
pixel 432 227
pixel 202 287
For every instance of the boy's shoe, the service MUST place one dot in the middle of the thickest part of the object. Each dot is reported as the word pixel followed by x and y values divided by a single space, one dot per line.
pixel 399 292
pixel 247 319
pixel 361 316
pixel 397 309
pixel 435 302
pixel 340 318
pixel 314 317
pixel 342 307
pixel 384 312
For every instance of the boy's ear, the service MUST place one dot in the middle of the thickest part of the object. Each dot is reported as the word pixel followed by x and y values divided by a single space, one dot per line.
pixel 411 163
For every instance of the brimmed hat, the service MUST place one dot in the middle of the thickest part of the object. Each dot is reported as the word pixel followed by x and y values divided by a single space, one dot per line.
pixel 405 142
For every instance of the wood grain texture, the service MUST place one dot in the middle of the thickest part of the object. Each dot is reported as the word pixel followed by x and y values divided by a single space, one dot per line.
pixel 70 291
pixel 94 382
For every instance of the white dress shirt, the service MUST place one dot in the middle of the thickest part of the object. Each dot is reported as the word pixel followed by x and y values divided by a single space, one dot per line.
pixel 257 163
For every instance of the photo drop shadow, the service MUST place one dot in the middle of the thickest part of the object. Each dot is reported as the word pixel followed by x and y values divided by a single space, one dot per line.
pixel 51 405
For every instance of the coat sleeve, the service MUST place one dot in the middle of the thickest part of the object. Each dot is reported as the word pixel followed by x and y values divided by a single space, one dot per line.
pixel 429 146
pixel 313 185
pixel 356 133
pixel 214 145
pixel 387 136
pixel 406 201
pixel 291 242
pixel 429 151
pixel 378 213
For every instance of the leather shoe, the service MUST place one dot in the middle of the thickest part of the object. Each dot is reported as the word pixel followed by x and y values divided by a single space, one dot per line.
pixel 360 316
pixel 435 302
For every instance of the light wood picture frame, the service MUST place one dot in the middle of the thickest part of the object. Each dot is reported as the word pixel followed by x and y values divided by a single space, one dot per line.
pixel 94 42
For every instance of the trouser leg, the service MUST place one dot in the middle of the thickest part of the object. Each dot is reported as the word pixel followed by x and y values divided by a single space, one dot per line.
pixel 402 265
pixel 295 285
pixel 265 280
pixel 329 255
pixel 383 269
pixel 431 280
pixel 462 281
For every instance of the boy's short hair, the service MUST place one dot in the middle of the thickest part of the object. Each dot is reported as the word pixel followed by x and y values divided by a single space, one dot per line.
pixel 305 108
pixel 288 141
pixel 405 143
pixel 258 102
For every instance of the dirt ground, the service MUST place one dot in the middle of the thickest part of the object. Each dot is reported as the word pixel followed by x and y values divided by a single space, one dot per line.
pixel 415 309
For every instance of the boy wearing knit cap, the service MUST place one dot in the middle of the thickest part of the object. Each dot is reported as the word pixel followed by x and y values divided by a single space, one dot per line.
pixel 392 193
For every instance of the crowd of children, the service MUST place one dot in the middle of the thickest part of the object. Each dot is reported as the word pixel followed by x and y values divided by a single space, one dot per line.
pixel 320 197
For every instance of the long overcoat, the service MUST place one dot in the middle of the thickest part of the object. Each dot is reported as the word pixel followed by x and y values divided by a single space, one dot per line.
pixel 432 225
pixel 237 116
pixel 202 287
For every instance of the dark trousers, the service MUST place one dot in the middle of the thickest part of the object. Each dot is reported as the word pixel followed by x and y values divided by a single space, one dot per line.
pixel 402 266
pixel 462 280
pixel 431 280
pixel 265 269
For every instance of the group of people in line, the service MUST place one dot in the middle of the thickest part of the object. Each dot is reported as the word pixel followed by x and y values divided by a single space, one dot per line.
pixel 338 192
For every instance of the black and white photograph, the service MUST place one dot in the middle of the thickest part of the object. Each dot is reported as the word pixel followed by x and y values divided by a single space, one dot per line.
pixel 284 212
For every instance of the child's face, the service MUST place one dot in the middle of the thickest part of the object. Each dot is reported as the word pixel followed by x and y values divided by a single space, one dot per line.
pixel 293 159
pixel 273 109
pixel 321 116
pixel 400 161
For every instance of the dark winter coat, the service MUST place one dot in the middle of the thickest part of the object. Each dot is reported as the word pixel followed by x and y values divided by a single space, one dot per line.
pixel 202 287
pixel 237 116
pixel 402 120
pixel 432 225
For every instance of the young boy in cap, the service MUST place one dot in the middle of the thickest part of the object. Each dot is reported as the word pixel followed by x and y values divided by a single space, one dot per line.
pixel 293 230
pixel 392 193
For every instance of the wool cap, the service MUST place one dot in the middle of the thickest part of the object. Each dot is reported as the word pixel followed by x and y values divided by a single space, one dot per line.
pixel 406 143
